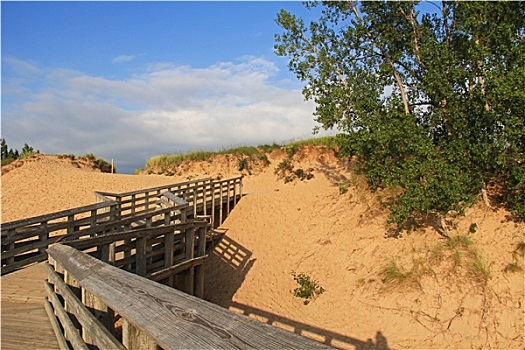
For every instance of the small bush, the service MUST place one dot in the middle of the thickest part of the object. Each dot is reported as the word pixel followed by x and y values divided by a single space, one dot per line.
pixel 308 289
pixel 284 166
pixel 103 165
pixel 243 164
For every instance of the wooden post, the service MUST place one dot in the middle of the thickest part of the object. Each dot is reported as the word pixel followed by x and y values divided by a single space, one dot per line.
pixel 204 198
pixel 105 315
pixel 199 270
pixel 185 280
pixel 140 265
pixel 235 193
pixel 220 206
pixel 228 199
pixel 71 226
pixel 133 200
pixel 107 253
pixel 127 252
pixel 135 339
pixel 93 221
pixel 169 240
pixel 43 236
pixel 213 205
pixel 11 236
pixel 195 202
pixel 75 288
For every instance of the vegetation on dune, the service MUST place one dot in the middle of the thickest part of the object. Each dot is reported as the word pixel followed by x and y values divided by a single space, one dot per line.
pixel 245 155
pixel 308 289
pixel 458 255
pixel 9 155
pixel 97 163
pixel 431 104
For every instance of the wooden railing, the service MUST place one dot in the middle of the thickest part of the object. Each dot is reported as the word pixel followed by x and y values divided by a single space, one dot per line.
pixel 202 195
pixel 94 305
pixel 25 241
pixel 159 253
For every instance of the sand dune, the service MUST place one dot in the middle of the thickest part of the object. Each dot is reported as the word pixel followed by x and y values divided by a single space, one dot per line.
pixel 337 239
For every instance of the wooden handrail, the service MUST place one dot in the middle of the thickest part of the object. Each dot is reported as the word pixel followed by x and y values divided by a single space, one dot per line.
pixel 157 188
pixel 57 215
pixel 154 315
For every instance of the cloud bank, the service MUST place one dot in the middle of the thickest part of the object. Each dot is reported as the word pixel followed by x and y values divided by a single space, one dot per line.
pixel 167 108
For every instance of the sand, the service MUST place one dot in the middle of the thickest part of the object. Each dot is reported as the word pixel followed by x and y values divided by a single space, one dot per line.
pixel 453 298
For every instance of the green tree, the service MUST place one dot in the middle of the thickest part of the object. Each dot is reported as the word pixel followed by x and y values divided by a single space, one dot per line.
pixel 5 149
pixel 28 150
pixel 431 103
pixel 8 155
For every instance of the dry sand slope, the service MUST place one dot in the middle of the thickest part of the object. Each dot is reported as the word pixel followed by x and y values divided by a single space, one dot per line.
pixel 452 296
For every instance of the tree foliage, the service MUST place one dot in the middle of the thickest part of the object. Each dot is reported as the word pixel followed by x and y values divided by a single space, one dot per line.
pixel 431 103
pixel 9 155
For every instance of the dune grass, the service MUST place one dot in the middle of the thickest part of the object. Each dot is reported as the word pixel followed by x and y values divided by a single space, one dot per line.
pixel 242 152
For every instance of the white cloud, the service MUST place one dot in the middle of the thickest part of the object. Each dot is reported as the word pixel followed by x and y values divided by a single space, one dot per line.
pixel 20 66
pixel 166 109
pixel 123 58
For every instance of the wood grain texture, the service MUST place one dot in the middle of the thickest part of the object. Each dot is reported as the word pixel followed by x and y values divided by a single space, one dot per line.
pixel 174 319
pixel 26 326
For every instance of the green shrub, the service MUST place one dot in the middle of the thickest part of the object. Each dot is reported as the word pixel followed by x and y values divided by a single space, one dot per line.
pixel 308 289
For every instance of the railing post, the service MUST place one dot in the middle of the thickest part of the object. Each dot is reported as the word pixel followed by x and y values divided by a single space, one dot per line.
pixel 228 198
pixel 135 339
pixel 194 202
pixel 220 205
pixel 185 280
pixel 105 315
pixel 107 253
pixel 71 225
pixel 204 198
pixel 140 265
pixel 199 269
pixel 75 288
pixel 133 200
pixel 169 240
pixel 43 236
pixel 213 205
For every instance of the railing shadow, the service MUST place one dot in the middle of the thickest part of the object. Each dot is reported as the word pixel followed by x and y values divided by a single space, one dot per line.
pixel 327 337
pixel 226 267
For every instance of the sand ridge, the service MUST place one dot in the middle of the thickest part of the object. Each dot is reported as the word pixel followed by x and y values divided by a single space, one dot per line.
pixel 337 239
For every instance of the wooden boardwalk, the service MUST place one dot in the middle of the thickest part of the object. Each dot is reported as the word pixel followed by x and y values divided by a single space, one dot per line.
pixel 25 324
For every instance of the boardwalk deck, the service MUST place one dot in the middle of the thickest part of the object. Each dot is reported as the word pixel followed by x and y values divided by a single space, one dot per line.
pixel 25 324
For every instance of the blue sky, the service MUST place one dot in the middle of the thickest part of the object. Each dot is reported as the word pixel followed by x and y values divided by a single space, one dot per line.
pixel 130 80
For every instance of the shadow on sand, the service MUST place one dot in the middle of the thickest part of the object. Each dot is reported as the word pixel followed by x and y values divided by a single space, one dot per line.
pixel 227 265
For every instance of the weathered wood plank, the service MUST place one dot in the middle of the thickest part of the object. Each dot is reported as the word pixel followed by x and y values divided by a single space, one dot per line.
pixel 26 261
pixel 165 187
pixel 24 324
pixel 175 269
pixel 174 319
pixel 70 332
pixel 62 343
pixel 98 333
pixel 53 216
